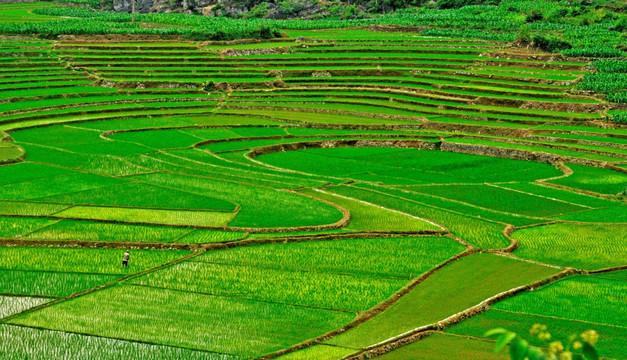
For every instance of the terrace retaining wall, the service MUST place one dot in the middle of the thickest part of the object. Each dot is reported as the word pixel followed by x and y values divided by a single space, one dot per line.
pixel 342 143
pixel 518 154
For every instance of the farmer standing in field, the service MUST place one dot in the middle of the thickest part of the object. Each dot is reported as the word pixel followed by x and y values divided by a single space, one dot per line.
pixel 125 258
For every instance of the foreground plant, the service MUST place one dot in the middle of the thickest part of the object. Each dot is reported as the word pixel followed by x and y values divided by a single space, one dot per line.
pixel 578 347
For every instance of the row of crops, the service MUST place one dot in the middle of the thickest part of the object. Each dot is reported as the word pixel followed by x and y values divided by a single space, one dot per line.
pixel 321 197
pixel 579 29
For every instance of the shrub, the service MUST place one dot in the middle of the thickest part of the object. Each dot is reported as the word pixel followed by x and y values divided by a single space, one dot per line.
pixel 619 118
pixel 259 11
pixel 350 12
pixel 621 25
pixel 550 43
pixel 524 36
pixel 456 4
pixel 268 32
pixel 533 16
pixel 290 7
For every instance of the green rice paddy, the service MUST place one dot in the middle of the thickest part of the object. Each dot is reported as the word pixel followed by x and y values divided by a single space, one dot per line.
pixel 305 203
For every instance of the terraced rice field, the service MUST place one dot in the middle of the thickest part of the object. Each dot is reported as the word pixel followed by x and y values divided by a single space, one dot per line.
pixel 324 195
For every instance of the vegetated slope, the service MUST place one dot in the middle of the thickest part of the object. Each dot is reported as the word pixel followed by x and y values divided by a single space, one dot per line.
pixel 398 150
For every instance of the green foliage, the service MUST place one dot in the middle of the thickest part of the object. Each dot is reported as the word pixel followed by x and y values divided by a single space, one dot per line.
pixel 456 4
pixel 87 21
pixel 524 36
pixel 534 15
pixel 579 348
pixel 610 78
pixel 619 117
pixel 259 11
pixel 621 25
pixel 611 339
pixel 350 12
pixel 594 52
pixel 290 7
pixel 550 43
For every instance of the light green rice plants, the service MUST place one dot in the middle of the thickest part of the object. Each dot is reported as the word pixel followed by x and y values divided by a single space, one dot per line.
pixel 16 226
pixel 373 217
pixel 301 287
pixel 439 346
pixel 219 324
pixel 29 208
pixel 97 261
pixel 320 351
pixel 149 216
pixel 260 207
pixel 211 236
pixel 569 299
pixel 477 277
pixel 42 283
pixel 38 344
pixel 404 257
pixel 142 195
pixel 587 246
pixel 10 305
pixel 497 198
pixel 85 230
pixel 594 179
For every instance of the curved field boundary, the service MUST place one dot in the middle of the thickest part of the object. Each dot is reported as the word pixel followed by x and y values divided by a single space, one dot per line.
pixel 291 106
pixel 517 154
pixel 322 136
pixel 336 225
pixel 548 146
pixel 577 141
pixel 417 119
pixel 14 159
pixel 383 208
pixel 419 144
pixel 205 103
pixel 437 106
pixel 98 244
pixel 322 237
pixel 580 191
pixel 119 101
pixel 214 246
pixel 346 217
